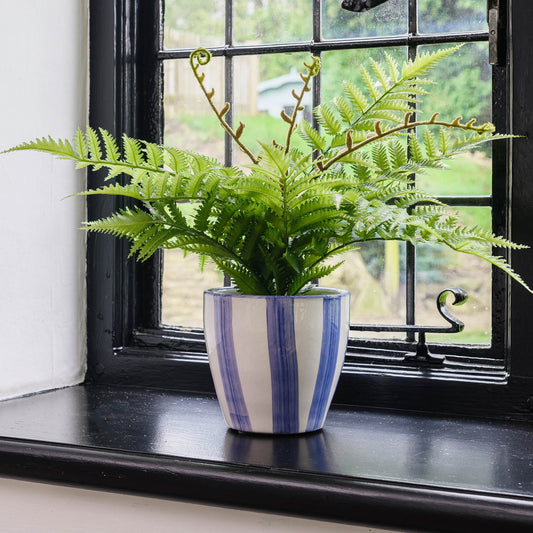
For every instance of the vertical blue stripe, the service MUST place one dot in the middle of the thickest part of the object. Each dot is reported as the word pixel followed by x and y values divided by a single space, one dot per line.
pixel 283 364
pixel 228 364
pixel 328 361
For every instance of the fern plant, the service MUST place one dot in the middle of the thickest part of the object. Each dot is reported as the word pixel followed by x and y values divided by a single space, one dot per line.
pixel 275 225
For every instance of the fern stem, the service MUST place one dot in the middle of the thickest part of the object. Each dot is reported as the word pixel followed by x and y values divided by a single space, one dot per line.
pixel 312 70
pixel 202 56
pixel 380 134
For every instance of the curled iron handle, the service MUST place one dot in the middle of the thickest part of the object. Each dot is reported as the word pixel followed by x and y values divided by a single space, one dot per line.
pixel 422 355
pixel 456 325
pixel 460 297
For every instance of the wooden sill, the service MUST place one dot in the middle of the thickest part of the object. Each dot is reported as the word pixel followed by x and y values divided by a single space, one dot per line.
pixel 387 469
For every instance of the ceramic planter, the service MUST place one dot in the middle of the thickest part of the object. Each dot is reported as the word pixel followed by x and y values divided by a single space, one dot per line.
pixel 276 360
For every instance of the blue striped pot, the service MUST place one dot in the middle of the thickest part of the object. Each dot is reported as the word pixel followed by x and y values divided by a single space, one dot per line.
pixel 276 360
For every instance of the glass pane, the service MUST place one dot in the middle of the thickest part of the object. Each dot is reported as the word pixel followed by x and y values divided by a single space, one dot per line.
pixel 263 21
pixel 375 276
pixel 183 287
pixel 263 86
pixel 389 18
pixel 449 17
pixel 463 88
pixel 194 24
pixel 439 268
pixel 189 121
pixel 341 65
pixel 190 124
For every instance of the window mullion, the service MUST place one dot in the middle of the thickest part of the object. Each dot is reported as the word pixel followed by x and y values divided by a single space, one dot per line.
pixel 410 251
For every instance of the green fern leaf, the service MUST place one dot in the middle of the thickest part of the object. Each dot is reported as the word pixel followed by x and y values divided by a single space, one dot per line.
pixel 381 75
pixel 430 144
pixel 355 96
pixel 345 110
pixel 301 281
pixel 175 160
pixel 370 84
pixel 80 144
pixel 326 116
pixel 111 148
pixel 154 155
pixel 394 73
pixel 93 144
pixel 425 62
pixel 132 151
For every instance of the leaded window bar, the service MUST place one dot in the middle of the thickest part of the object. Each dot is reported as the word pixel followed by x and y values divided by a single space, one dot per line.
pixel 411 41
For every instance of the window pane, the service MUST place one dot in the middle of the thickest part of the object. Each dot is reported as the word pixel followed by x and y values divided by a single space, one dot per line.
pixel 193 24
pixel 262 87
pixel 463 88
pixel 389 18
pixel 375 276
pixel 183 287
pixel 450 17
pixel 263 21
pixel 341 65
pixel 439 268
pixel 190 124
pixel 189 121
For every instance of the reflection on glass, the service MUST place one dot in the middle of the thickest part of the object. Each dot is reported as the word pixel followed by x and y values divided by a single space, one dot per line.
pixel 194 24
pixel 183 287
pixel 435 16
pixel 438 268
pixel 263 21
pixel 389 18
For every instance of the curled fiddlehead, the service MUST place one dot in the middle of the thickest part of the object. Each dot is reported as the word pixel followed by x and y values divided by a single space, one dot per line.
pixel 201 57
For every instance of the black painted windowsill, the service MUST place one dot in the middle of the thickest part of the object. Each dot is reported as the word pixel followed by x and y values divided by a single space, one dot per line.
pixel 386 469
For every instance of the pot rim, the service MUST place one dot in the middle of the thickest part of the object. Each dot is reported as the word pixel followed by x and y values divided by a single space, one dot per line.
pixel 318 292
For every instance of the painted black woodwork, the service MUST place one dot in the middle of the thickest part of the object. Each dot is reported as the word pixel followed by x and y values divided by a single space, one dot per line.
pixel 385 469
pixel 127 346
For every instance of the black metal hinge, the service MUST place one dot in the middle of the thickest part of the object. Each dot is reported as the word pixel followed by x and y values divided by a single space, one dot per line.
pixel 496 22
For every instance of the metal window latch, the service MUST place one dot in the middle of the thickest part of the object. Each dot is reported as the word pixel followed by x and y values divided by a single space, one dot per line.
pixel 422 355
pixel 359 6
pixel 496 24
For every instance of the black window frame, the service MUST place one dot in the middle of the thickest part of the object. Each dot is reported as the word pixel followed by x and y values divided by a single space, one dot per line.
pixel 127 345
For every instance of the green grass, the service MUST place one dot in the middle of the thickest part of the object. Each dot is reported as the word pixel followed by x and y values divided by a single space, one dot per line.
pixel 467 174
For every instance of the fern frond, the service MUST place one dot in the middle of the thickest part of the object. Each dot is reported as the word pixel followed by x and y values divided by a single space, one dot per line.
pixel 93 143
pixel 311 136
pixel 80 144
pixel 424 62
pixel 111 148
pixel 309 275
pixel 355 96
pixel 328 119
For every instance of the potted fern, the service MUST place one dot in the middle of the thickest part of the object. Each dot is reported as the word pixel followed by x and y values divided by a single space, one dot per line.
pixel 276 341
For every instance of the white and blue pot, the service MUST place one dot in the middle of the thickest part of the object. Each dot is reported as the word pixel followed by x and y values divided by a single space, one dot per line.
pixel 276 360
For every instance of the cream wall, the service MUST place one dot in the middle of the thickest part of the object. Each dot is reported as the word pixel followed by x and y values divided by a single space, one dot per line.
pixel 43 90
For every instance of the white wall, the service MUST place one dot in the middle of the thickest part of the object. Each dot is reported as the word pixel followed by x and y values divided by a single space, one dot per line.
pixel 43 68
pixel 40 508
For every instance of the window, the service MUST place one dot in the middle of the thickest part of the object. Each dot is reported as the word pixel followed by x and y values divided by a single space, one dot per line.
pixel 136 60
